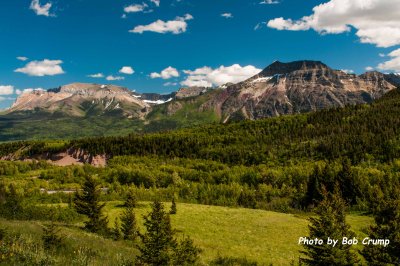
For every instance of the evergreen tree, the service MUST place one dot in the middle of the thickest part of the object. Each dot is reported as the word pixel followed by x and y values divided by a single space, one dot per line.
pixel 131 200
pixel 128 224
pixel 88 203
pixel 51 238
pixel 186 253
pixel 13 207
pixel 387 226
pixel 116 230
pixel 159 246
pixel 329 223
pixel 158 242
pixel 313 193
pixel 349 187
pixel 173 207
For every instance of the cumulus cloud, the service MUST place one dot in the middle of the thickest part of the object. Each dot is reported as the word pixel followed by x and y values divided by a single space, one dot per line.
pixel 22 58
pixel 42 68
pixel 177 26
pixel 393 64
pixel 113 78
pixel 376 21
pixel 135 8
pixel 208 77
pixel 29 90
pixel 227 15
pixel 97 75
pixel 369 68
pixel 169 72
pixel 269 2
pixel 127 70
pixel 41 10
pixel 6 89
pixel 167 84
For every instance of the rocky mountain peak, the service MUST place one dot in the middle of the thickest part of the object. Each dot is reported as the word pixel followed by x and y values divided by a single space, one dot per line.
pixel 92 89
pixel 279 68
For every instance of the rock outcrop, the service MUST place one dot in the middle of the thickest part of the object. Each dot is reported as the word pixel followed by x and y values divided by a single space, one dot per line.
pixel 80 99
pixel 297 87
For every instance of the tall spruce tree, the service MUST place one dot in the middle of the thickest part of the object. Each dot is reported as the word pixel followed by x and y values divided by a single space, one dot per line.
pixel 116 230
pixel 173 206
pixel 128 219
pixel 329 223
pixel 159 246
pixel 158 242
pixel 387 226
pixel 51 237
pixel 131 200
pixel 88 203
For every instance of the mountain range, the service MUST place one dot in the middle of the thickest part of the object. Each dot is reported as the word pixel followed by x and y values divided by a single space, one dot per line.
pixel 280 89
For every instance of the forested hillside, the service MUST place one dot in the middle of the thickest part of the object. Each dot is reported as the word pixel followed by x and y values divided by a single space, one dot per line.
pixel 286 164
pixel 359 132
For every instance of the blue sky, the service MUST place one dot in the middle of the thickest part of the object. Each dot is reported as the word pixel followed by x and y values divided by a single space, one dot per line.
pixel 194 41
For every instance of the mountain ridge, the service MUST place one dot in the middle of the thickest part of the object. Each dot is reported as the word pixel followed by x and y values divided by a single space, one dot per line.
pixel 279 89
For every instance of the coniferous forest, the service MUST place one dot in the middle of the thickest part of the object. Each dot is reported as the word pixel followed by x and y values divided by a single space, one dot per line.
pixel 335 173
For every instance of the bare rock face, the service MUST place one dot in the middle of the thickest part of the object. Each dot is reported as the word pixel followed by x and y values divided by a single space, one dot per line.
pixel 78 99
pixel 190 92
pixel 297 87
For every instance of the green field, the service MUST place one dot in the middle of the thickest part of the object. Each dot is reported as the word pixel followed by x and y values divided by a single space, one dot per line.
pixel 261 236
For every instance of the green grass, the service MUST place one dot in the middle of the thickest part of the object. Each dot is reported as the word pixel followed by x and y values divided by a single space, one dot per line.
pixel 261 236
pixel 80 246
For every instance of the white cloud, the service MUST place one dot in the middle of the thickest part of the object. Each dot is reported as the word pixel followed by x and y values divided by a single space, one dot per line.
pixel 22 58
pixel 167 73
pixel 382 55
pixel 113 78
pixel 393 64
pixel 42 68
pixel 127 70
pixel 6 89
pixel 207 77
pixel 41 10
pixel 29 90
pixel 135 8
pixel 369 68
pixel 156 2
pixel 269 2
pixel 227 15
pixel 177 26
pixel 376 21
pixel 167 84
pixel 98 75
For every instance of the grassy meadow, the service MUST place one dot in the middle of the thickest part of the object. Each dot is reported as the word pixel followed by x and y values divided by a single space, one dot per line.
pixel 261 236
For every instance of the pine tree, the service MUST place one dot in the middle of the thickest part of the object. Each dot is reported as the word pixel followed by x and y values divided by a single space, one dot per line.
pixel 387 226
pixel 51 238
pixel 159 246
pixel 88 203
pixel 131 200
pixel 13 205
pixel 158 242
pixel 348 184
pixel 329 223
pixel 116 230
pixel 128 224
pixel 186 253
pixel 173 207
